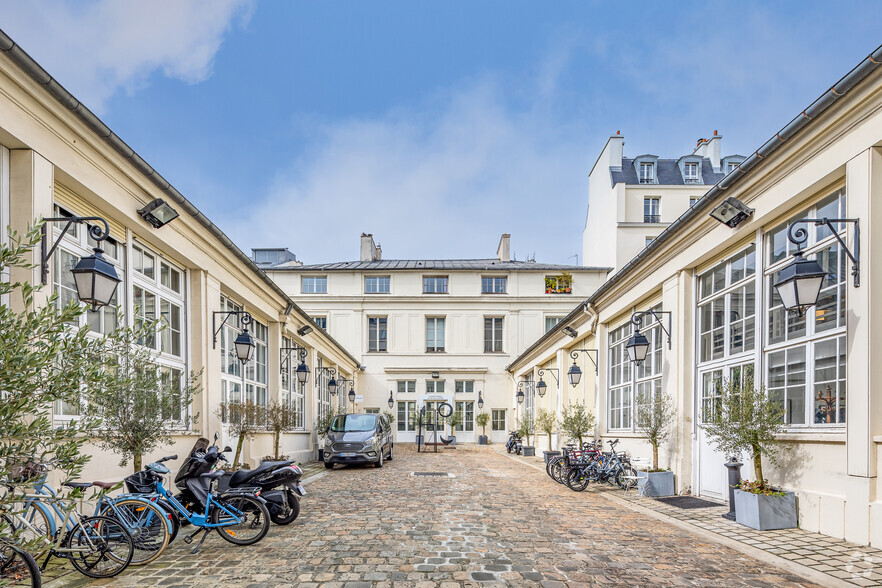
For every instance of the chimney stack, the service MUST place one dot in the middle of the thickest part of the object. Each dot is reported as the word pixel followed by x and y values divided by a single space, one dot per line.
pixel 369 250
pixel 503 251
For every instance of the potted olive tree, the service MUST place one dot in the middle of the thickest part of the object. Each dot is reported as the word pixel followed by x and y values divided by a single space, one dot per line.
pixel 482 419
pixel 526 428
pixel 454 421
pixel 322 424
pixel 577 422
pixel 546 422
pixel 654 416
pixel 748 420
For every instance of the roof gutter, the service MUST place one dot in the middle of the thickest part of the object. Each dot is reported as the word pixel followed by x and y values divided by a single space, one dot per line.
pixel 26 63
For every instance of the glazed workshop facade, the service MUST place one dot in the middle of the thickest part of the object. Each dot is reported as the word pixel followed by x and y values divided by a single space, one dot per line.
pixel 58 160
pixel 726 321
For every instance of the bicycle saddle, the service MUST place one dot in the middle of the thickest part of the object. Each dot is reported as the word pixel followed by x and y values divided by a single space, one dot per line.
pixel 78 485
pixel 105 485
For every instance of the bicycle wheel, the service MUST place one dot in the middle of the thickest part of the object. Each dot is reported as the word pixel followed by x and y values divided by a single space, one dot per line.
pixel 555 471
pixel 174 517
pixel 18 567
pixel 551 463
pixel 252 525
pixel 101 547
pixel 32 527
pixel 148 525
pixel 577 480
pixel 625 478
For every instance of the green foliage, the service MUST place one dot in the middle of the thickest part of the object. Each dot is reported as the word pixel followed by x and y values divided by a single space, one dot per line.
pixel 43 360
pixel 653 419
pixel 546 422
pixel 746 419
pixel 140 404
pixel 759 488
pixel 483 419
pixel 453 421
pixel 526 428
pixel 577 421
pixel 323 423
pixel 390 415
pixel 280 417
pixel 243 419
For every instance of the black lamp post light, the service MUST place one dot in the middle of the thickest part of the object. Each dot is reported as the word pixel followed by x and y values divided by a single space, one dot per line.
pixel 574 374
pixel 391 401
pixel 95 277
pixel 520 395
pixel 541 386
pixel 638 345
pixel 332 383
pixel 285 359
pixel 352 398
pixel 799 284
pixel 244 343
pixel 480 401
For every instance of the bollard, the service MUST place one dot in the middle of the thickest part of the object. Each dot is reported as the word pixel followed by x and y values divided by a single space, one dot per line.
pixel 734 468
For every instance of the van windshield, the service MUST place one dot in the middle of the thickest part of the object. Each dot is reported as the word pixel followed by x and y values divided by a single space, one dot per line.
pixel 352 423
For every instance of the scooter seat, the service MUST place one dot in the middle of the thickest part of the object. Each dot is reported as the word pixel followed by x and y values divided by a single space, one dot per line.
pixel 240 476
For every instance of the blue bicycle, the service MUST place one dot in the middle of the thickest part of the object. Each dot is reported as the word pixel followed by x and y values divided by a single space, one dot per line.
pixel 237 515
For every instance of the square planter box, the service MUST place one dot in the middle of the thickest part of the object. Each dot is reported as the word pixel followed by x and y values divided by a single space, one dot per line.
pixel 528 451
pixel 549 454
pixel 765 513
pixel 482 440
pixel 655 484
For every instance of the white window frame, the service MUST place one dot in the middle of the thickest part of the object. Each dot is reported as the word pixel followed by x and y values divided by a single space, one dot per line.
pixel 317 284
pixel 379 284
pixel 292 392
pixel 405 416
pixel 651 209
pixel 405 386
pixel 627 383
pixel 323 318
pixel 551 322
pixel 494 341
pixel 463 386
pixel 466 411
pixel 495 283
pixel 375 341
pixel 494 420
pixel 689 177
pixel 435 337
pixel 647 172
pixel 439 284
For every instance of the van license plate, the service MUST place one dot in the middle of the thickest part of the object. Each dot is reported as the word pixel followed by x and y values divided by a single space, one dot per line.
pixel 347 455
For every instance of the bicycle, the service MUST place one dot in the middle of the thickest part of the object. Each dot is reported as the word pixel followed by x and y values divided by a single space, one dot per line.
pixel 149 525
pixel 18 567
pixel 97 546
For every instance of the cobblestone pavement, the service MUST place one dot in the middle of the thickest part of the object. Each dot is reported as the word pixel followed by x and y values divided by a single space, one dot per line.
pixel 494 520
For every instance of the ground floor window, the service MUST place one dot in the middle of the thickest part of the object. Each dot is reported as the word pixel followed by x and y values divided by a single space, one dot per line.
pixel 466 413
pixel 372 411
pixel 497 418
pixel 406 416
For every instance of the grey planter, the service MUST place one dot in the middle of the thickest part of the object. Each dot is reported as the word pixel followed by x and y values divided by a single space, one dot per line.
pixel 655 484
pixel 321 454
pixel 765 513
pixel 528 451
pixel 482 439
pixel 549 454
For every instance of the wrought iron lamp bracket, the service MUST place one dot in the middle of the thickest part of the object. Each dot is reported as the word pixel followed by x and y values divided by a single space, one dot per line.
pixel 554 372
pixel 575 355
pixel 799 235
pixel 637 321
pixel 246 319
pixel 285 355
pixel 46 254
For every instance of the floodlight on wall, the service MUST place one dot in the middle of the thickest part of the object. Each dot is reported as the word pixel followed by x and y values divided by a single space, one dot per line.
pixel 158 213
pixel 570 331
pixel 435 375
pixel 304 330
pixel 731 212
pixel 799 284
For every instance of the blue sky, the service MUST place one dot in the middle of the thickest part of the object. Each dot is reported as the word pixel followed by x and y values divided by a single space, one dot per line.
pixel 435 126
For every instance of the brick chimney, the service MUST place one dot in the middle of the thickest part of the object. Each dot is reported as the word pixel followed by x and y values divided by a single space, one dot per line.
pixel 503 251
pixel 370 251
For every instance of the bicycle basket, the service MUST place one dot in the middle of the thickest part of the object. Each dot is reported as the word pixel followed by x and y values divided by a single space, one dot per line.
pixel 28 471
pixel 140 483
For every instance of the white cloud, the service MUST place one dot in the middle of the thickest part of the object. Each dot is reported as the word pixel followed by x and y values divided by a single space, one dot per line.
pixel 441 181
pixel 95 49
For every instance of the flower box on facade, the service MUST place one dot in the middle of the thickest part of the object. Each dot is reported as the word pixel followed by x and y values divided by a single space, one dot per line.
pixel 764 512
pixel 655 484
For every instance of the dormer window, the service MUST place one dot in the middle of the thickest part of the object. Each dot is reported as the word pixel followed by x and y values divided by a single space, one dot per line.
pixel 691 172
pixel 647 172
pixel 730 166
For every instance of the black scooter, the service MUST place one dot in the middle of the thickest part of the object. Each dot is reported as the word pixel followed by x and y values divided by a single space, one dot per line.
pixel 513 443
pixel 283 502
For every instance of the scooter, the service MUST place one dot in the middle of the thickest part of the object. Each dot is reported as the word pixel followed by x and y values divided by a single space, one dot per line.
pixel 513 443
pixel 279 483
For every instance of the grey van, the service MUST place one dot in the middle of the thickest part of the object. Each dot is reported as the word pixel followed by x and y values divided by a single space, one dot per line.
pixel 358 438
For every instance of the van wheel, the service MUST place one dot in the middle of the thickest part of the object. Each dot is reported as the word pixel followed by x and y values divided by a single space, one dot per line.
pixel 329 465
pixel 379 463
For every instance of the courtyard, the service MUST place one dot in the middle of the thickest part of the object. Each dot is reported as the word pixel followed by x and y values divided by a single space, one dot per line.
pixel 489 518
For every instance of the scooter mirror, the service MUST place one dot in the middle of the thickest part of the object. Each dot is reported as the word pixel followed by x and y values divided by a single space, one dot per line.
pixel 216 436
pixel 227 449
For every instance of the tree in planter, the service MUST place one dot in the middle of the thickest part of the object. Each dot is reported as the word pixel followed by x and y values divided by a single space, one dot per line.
pixel 746 419
pixel 45 362
pixel 454 421
pixel 280 416
pixel 323 423
pixel 577 421
pixel 243 419
pixel 653 420
pixel 482 419
pixel 526 428
pixel 546 422
pixel 390 416
pixel 139 403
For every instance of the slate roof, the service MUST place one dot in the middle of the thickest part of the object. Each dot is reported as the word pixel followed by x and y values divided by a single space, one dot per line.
pixel 667 171
pixel 437 265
